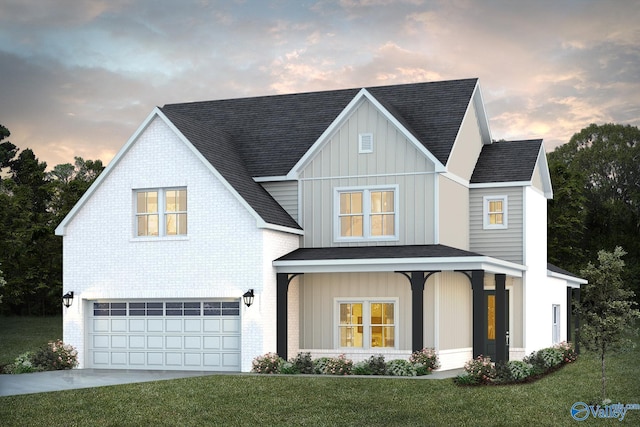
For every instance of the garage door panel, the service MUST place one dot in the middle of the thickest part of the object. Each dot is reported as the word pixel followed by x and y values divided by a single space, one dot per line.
pixel 100 325
pixel 155 325
pixel 173 325
pixel 155 359
pixel 193 325
pixel 118 341
pixel 173 342
pixel 212 325
pixel 119 325
pixel 165 335
pixel 155 342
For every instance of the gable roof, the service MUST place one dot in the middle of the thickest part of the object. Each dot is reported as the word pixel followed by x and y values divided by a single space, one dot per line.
pixel 507 161
pixel 218 148
pixel 272 133
pixel 555 271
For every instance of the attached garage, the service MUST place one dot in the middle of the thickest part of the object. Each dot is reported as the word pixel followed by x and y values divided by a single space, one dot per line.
pixel 164 335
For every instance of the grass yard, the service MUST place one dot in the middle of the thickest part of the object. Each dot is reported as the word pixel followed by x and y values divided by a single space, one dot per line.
pixel 322 400
pixel 21 334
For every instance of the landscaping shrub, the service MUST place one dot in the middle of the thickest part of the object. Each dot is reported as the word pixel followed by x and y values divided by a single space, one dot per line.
pixel 288 368
pixel 568 352
pixel 303 363
pixel 22 365
pixel 320 364
pixel 338 366
pixel 401 368
pixel 377 365
pixel 361 368
pixel 481 370
pixel 425 360
pixel 55 356
pixel 270 363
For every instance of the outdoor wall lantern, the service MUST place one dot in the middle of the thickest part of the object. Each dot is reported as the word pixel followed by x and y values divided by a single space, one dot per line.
pixel 67 299
pixel 248 298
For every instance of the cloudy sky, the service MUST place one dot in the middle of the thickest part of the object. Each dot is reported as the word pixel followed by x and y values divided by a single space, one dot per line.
pixel 77 77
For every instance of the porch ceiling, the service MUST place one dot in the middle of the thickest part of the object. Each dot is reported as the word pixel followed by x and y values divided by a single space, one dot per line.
pixel 390 259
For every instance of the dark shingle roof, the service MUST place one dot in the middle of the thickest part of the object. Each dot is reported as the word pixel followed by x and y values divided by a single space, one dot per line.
pixel 219 149
pixel 271 133
pixel 507 161
pixel 376 252
pixel 266 136
pixel 559 270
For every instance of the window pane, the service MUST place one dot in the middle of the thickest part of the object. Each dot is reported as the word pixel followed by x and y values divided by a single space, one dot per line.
pixel 147 202
pixel 345 203
pixel 351 226
pixel 176 200
pixel 152 225
pixel 495 206
pixel 376 201
pixel 495 219
pixel 350 336
pixel 387 202
pixel 142 225
pixel 382 225
pixel 491 317
pixel 389 225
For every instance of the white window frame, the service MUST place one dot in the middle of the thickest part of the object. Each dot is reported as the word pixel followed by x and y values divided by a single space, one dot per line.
pixel 485 212
pixel 555 323
pixel 162 213
pixel 366 321
pixel 365 143
pixel 366 213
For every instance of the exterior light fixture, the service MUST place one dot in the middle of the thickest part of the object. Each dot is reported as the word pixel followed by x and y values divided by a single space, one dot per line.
pixel 248 298
pixel 67 299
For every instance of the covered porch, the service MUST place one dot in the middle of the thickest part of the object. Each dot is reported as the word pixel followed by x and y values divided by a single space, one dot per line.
pixel 413 266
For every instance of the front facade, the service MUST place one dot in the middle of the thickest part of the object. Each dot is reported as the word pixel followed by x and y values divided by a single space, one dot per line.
pixel 373 221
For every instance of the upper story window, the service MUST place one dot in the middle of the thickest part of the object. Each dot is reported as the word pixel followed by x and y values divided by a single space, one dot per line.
pixel 495 212
pixel 161 212
pixel 367 213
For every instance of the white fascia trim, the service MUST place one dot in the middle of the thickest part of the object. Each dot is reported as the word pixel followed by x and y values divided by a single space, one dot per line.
pixel 544 170
pixel 61 228
pixel 348 110
pixel 574 282
pixel 262 224
pixel 271 178
pixel 483 120
pixel 488 264
pixel 455 178
pixel 502 184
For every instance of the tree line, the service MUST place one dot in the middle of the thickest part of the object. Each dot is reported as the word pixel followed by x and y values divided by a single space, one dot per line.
pixel 596 200
pixel 32 203
pixel 596 206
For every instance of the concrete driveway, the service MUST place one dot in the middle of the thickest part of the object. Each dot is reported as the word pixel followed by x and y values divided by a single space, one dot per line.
pixel 40 382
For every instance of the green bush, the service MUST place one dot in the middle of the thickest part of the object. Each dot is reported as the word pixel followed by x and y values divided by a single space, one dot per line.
pixel 21 365
pixel 320 364
pixel 338 366
pixel 55 356
pixel 377 365
pixel 303 363
pixel 288 368
pixel 401 368
pixel 361 368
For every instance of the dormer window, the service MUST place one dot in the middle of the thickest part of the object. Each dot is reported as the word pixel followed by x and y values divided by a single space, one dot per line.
pixel 495 212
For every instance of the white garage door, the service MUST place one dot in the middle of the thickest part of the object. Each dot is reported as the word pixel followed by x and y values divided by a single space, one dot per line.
pixel 167 335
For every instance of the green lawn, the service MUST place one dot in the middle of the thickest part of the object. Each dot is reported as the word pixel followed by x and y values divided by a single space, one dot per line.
pixel 322 400
pixel 21 334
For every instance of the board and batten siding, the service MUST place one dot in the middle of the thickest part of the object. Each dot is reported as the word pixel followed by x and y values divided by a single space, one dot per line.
pixel 394 161
pixel 453 215
pixel 317 299
pixel 467 147
pixel 506 243
pixel 286 194
pixel 454 305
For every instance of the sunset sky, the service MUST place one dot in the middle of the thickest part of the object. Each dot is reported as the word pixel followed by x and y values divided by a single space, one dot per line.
pixel 78 77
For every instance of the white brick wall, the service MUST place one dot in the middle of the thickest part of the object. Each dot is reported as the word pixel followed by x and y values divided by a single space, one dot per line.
pixel 219 257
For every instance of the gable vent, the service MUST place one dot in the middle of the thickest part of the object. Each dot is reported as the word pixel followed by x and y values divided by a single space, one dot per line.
pixel 365 143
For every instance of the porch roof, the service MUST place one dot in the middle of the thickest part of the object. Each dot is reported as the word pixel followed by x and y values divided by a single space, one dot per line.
pixel 391 259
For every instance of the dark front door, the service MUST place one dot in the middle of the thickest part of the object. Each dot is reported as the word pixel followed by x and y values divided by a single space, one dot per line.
pixel 490 323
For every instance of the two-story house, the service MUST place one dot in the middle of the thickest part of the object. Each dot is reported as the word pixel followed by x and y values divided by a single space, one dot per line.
pixel 364 221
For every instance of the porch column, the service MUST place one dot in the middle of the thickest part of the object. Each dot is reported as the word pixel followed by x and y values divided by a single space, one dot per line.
pixel 479 312
pixel 569 313
pixel 576 318
pixel 282 288
pixel 501 319
pixel 417 310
